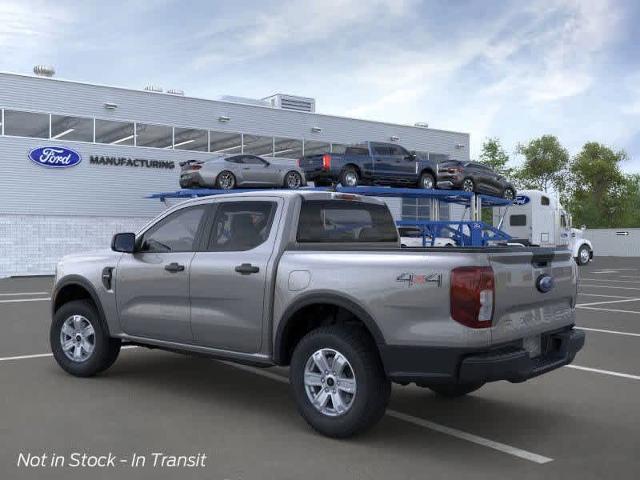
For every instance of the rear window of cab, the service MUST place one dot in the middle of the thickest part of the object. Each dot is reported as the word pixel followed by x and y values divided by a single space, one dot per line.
pixel 344 221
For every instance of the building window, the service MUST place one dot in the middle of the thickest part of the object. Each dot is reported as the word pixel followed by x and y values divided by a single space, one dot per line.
pixel 71 128
pixel 338 148
pixel 312 147
pixel 26 124
pixel 157 136
pixel 190 139
pixel 225 142
pixel 416 209
pixel 287 148
pixel 257 145
pixel 114 133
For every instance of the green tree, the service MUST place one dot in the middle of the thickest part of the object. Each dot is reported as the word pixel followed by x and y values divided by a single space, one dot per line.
pixel 601 195
pixel 545 164
pixel 494 156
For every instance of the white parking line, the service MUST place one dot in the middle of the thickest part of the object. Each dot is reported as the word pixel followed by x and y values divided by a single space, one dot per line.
pixel 581 284
pixel 615 332
pixel 608 310
pixel 22 294
pixel 26 300
pixel 24 357
pixel 604 372
pixel 610 280
pixel 600 295
pixel 469 437
pixel 607 301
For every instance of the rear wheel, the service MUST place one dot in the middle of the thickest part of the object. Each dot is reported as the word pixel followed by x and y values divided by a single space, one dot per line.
pixel 427 181
pixel 584 255
pixel 468 185
pixel 349 177
pixel 226 180
pixel 293 180
pixel 453 390
pixel 338 381
pixel 79 341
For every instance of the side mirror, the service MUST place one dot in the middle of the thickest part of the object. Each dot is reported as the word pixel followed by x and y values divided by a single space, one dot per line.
pixel 124 242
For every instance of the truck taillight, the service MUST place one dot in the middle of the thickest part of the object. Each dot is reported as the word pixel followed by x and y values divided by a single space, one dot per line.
pixel 298 162
pixel 472 296
pixel 326 161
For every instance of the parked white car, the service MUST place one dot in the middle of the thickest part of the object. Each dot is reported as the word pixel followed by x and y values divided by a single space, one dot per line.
pixel 412 237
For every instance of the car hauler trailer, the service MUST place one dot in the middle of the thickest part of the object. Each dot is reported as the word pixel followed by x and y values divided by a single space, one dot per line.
pixel 538 219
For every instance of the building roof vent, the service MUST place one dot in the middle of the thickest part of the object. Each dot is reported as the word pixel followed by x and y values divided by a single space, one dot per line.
pixel 175 91
pixel 245 100
pixel 292 102
pixel 44 71
pixel 153 88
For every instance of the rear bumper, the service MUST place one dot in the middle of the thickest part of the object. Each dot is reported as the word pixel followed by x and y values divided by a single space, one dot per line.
pixel 429 365
pixel 191 179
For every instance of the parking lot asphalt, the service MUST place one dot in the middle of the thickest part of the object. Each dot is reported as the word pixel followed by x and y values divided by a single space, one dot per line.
pixel 579 422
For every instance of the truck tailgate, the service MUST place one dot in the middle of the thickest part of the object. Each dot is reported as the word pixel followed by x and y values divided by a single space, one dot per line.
pixel 311 163
pixel 522 309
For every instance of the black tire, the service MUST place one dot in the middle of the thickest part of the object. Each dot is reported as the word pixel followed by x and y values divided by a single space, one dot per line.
pixel 287 183
pixel 509 194
pixel 453 390
pixel 427 179
pixel 220 182
pixel 105 351
pixel 584 255
pixel 373 387
pixel 468 185
pixel 349 177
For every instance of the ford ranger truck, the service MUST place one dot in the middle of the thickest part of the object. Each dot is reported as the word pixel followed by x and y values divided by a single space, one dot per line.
pixel 319 282
pixel 371 163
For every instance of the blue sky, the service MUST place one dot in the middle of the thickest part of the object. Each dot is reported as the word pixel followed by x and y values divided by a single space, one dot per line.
pixel 514 70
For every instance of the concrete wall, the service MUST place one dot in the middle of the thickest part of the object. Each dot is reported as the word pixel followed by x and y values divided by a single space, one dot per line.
pixel 614 242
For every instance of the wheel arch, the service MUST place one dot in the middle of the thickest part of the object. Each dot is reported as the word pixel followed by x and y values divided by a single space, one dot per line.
pixel 75 287
pixel 294 322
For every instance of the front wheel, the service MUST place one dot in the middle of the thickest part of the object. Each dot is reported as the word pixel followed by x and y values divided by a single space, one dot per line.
pixel 453 390
pixel 468 185
pixel 584 255
pixel 427 181
pixel 338 381
pixel 293 180
pixel 79 341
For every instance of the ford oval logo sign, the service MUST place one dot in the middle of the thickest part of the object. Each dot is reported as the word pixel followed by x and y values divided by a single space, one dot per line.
pixel 545 283
pixel 521 200
pixel 55 157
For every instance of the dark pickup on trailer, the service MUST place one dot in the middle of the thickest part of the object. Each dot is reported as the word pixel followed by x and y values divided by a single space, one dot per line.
pixel 371 163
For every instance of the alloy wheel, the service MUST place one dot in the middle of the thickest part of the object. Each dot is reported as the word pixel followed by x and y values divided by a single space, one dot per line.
pixel 226 181
pixel 467 185
pixel 77 338
pixel 293 180
pixel 351 179
pixel 330 382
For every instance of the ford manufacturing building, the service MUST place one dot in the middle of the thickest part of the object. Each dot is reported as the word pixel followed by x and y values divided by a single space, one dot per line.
pixel 120 145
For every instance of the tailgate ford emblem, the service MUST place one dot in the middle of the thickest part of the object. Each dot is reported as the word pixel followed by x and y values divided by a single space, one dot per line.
pixel 545 283
pixel 55 157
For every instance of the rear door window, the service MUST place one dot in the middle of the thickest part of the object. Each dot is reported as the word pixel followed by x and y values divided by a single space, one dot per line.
pixel 240 226
pixel 344 221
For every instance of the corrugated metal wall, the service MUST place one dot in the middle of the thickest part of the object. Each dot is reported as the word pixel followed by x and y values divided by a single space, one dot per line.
pixel 614 242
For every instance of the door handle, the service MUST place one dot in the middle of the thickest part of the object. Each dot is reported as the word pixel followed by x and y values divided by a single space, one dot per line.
pixel 247 269
pixel 174 267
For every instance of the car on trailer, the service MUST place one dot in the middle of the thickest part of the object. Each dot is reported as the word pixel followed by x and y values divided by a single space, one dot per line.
pixel 372 163
pixel 227 172
pixel 474 177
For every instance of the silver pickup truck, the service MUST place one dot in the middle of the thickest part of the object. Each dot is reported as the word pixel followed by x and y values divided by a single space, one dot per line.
pixel 318 281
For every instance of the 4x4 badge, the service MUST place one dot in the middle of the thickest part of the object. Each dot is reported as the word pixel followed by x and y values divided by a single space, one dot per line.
pixel 412 279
